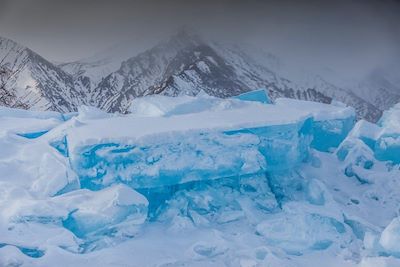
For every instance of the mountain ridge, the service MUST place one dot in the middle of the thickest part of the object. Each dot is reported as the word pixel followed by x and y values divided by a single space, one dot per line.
pixel 182 64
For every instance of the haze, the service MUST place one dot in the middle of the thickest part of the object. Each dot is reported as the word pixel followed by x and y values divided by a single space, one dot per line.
pixel 352 36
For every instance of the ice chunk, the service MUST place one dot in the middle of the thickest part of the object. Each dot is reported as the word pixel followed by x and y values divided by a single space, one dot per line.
pixel 390 238
pixel 11 256
pixel 383 139
pixel 101 210
pixel 297 233
pixel 54 176
pixel 366 132
pixel 388 143
pixel 359 144
pixel 160 151
pixel 217 201
pixel 387 243
pixel 28 124
pixel 204 165
pixel 21 113
pixel 114 212
pixel 33 165
pixel 69 115
pixel 358 157
pixel 332 123
pixel 27 127
pixel 319 111
pixel 388 148
pixel 259 95
pixel 391 119
pixel 329 134
pixel 315 193
pixel 92 113
pixel 158 105
pixel 356 151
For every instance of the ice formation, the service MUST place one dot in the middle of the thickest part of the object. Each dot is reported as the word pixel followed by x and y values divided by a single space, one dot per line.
pixel 147 152
pixel 200 181
pixel 331 124
pixel 255 95
pixel 383 139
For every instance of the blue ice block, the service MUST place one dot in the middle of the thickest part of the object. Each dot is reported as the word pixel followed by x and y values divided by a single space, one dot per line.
pixel 259 95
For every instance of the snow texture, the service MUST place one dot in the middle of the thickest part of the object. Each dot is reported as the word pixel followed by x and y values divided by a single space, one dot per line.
pixel 200 181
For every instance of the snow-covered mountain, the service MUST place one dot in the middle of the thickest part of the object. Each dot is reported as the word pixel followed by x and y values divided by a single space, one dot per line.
pixel 381 87
pixel 184 64
pixel 187 65
pixel 30 81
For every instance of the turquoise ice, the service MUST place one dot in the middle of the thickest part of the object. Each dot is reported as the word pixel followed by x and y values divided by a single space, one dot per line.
pixel 259 95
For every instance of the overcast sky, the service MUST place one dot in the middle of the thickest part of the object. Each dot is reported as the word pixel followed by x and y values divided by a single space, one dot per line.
pixel 351 33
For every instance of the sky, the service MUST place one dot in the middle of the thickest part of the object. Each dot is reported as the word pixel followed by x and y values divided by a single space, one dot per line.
pixel 356 35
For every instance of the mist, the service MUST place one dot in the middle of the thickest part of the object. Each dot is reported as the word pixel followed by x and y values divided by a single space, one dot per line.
pixel 350 38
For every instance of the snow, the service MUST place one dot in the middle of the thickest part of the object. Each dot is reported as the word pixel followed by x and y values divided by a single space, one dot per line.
pixel 390 237
pixel 199 181
pixel 26 126
pixel 296 233
pixel 320 111
pixel 121 128
pixel 21 113
pixel 159 105
pixel 332 122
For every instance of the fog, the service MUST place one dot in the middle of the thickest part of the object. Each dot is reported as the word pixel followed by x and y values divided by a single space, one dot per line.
pixel 349 37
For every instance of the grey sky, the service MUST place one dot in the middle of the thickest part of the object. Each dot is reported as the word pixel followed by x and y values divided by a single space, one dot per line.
pixel 344 33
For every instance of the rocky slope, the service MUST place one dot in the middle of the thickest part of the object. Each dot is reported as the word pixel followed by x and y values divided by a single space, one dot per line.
pixel 30 81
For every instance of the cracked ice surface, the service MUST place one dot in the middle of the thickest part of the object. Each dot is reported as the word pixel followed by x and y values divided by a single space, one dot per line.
pixel 199 182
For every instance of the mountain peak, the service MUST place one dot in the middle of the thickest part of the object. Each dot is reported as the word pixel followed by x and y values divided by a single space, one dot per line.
pixel 8 43
pixel 9 50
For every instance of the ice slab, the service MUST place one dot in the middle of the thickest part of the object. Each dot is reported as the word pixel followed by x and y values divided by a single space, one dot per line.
pixel 332 122
pixel 28 124
pixel 319 111
pixel 91 212
pixel 21 113
pixel 299 232
pixel 114 212
pixel 390 238
pixel 357 150
pixel 383 139
pixel 214 201
pixel 27 127
pixel 249 202
pixel 385 243
pixel 91 113
pixel 149 152
pixel 388 143
pixel 158 105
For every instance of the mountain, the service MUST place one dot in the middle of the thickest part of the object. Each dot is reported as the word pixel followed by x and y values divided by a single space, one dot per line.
pixel 182 64
pixel 186 64
pixel 29 81
pixel 381 87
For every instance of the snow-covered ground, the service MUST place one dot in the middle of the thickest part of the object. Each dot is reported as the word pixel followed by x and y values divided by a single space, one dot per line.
pixel 200 181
